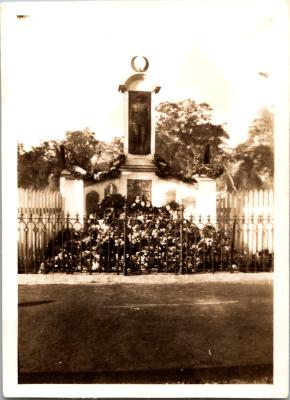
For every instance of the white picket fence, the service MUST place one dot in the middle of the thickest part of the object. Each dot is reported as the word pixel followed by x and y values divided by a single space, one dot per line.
pixel 35 206
pixel 253 212
pixel 39 201
pixel 247 204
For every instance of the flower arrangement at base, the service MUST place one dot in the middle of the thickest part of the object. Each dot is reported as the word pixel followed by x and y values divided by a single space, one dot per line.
pixel 140 203
pixel 145 240
pixel 113 172
pixel 213 171
pixel 115 201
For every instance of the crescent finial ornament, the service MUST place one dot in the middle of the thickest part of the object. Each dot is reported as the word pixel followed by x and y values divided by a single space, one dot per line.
pixel 139 63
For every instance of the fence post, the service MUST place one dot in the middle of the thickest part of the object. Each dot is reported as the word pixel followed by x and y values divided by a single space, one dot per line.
pixel 125 238
pixel 233 242
pixel 181 269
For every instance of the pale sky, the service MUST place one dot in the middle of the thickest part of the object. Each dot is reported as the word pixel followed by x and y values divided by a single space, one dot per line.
pixel 62 65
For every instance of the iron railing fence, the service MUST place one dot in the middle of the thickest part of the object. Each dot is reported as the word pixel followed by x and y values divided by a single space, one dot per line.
pixel 143 242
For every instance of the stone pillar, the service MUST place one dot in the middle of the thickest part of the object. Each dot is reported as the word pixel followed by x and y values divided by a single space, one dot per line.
pixel 206 198
pixel 138 90
pixel 141 83
pixel 153 112
pixel 72 191
pixel 126 121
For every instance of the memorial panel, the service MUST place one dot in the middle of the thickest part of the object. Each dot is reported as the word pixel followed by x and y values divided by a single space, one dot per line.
pixel 139 122
pixel 139 187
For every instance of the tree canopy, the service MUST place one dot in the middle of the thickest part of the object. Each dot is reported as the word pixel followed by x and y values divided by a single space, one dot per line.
pixel 41 166
pixel 36 165
pixel 252 164
pixel 187 139
pixel 80 147
pixel 187 143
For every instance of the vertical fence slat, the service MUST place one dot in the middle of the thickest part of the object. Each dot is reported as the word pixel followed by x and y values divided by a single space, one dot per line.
pixel 36 201
pixel 250 206
pixel 31 244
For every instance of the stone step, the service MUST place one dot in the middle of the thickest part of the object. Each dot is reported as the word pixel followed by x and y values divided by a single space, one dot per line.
pixel 141 168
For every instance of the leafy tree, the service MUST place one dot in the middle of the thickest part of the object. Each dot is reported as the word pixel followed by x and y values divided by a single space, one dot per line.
pixel 36 165
pixel 261 129
pixel 107 152
pixel 80 147
pixel 186 138
pixel 252 165
pixel 41 166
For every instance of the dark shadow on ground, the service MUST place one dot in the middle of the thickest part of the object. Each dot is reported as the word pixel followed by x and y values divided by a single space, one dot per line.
pixel 34 303
pixel 223 375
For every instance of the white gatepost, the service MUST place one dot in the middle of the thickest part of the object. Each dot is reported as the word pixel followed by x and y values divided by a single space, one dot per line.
pixel 206 198
pixel 72 191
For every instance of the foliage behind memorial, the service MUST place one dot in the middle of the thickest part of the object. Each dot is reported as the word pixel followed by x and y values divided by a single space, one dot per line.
pixel 188 140
pixel 40 167
pixel 187 143
pixel 252 163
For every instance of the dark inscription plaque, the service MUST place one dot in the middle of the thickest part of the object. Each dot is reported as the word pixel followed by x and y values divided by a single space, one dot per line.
pixel 139 122
pixel 139 187
pixel 92 200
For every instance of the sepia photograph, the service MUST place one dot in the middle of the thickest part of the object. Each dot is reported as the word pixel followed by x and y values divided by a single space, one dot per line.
pixel 145 192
